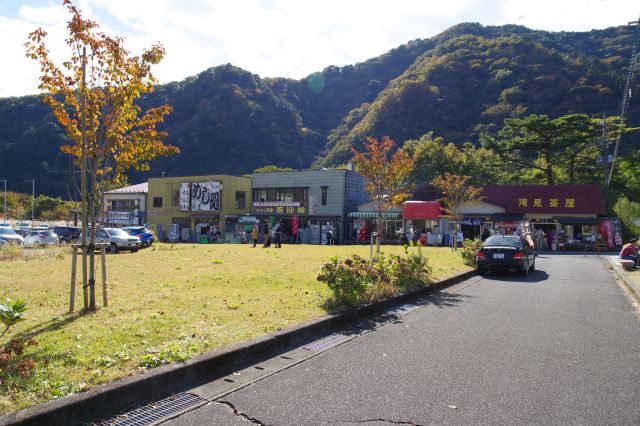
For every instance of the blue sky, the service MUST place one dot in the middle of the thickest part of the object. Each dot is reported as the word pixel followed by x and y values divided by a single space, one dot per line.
pixel 278 38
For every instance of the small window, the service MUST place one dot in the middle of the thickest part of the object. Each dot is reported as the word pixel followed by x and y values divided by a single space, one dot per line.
pixel 324 195
pixel 240 197
pixel 175 198
pixel 157 201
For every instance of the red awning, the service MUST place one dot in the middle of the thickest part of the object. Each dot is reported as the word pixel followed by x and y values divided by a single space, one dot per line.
pixel 421 210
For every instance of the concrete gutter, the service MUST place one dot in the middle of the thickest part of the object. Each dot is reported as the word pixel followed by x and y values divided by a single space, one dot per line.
pixel 619 271
pixel 111 398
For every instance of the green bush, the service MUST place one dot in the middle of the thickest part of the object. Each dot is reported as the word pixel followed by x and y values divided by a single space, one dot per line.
pixel 355 280
pixel 628 211
pixel 468 251
pixel 11 313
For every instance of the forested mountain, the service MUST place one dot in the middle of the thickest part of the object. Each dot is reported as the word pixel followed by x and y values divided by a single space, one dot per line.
pixel 457 84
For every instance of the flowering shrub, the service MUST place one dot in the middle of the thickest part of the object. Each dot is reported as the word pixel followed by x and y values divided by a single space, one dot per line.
pixel 355 280
pixel 469 250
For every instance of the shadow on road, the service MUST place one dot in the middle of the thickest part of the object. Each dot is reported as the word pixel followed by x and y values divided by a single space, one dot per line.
pixel 533 277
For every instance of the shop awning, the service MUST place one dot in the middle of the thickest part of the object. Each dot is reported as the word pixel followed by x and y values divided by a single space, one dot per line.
pixel 578 220
pixel 503 217
pixel 421 210
pixel 373 215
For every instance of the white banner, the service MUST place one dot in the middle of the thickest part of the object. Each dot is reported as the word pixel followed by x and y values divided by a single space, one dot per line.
pixel 205 196
pixel 183 198
pixel 123 218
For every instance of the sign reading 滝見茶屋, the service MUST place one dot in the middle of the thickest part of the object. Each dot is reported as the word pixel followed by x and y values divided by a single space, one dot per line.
pixel 205 196
pixel 568 203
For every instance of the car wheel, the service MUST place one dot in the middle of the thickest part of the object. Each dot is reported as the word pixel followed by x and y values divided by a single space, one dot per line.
pixel 533 266
pixel 36 244
pixel 113 248
pixel 134 250
pixel 482 271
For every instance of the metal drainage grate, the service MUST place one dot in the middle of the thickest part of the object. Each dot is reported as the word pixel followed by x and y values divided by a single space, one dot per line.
pixel 327 342
pixel 155 411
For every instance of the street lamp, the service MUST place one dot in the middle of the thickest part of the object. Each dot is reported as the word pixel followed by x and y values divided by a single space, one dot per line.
pixel 33 199
pixel 5 199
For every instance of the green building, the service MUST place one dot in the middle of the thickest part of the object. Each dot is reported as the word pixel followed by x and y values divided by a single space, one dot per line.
pixel 184 208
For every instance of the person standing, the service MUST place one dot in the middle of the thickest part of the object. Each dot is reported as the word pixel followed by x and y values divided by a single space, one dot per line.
pixel 630 251
pixel 254 234
pixel 485 234
pixel 277 234
pixel 539 239
pixel 267 234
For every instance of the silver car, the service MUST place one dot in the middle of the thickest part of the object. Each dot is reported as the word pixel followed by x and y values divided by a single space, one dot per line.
pixel 9 236
pixel 41 238
pixel 121 240
pixel 117 239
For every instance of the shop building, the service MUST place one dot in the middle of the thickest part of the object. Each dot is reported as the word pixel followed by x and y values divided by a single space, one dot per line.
pixel 309 203
pixel 364 220
pixel 186 208
pixel 126 206
pixel 570 216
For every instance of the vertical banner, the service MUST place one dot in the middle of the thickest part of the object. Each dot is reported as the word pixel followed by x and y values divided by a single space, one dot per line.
pixel 183 197
pixel 294 224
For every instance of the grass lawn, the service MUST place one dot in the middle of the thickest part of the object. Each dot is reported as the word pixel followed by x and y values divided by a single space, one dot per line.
pixel 166 303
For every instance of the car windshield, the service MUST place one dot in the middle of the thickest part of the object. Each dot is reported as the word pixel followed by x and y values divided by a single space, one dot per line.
pixel 7 231
pixel 503 241
pixel 134 231
pixel 117 232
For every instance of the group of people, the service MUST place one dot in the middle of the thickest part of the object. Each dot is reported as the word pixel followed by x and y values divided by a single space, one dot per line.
pixel 545 240
pixel 268 232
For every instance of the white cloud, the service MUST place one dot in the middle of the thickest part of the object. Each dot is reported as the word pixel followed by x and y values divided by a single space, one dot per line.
pixel 288 38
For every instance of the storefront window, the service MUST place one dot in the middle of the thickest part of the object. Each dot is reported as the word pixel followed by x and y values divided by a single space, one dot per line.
pixel 280 194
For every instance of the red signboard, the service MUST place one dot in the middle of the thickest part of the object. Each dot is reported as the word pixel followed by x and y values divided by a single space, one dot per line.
pixel 294 224
pixel 421 210
pixel 561 199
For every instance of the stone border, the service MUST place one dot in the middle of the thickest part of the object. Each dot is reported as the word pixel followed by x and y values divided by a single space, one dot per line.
pixel 620 273
pixel 111 398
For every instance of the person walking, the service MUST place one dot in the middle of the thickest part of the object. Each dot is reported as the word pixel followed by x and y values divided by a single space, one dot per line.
pixel 630 251
pixel 277 234
pixel 254 234
pixel 267 234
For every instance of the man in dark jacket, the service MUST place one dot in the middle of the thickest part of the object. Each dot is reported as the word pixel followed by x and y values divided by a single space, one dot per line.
pixel 267 234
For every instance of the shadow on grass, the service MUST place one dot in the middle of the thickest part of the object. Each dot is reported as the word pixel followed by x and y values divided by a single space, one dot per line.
pixel 50 325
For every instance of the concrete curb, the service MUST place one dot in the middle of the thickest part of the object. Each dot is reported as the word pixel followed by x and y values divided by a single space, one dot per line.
pixel 620 273
pixel 113 397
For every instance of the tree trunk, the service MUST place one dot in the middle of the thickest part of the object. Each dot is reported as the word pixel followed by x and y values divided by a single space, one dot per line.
pixel 549 169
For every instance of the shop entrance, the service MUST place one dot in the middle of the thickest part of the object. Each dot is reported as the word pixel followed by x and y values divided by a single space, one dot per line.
pixel 544 240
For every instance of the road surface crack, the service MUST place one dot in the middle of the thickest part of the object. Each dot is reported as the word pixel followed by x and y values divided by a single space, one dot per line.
pixel 240 414
pixel 382 420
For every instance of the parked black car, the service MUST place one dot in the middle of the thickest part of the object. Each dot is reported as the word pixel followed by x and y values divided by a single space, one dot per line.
pixel 67 234
pixel 506 253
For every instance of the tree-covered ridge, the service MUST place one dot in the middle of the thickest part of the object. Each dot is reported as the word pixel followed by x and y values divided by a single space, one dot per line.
pixel 457 85
pixel 470 82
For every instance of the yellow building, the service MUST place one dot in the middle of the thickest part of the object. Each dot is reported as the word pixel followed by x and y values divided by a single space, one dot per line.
pixel 184 208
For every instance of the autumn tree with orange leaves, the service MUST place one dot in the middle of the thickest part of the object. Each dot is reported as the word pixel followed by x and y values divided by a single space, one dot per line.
pixel 93 96
pixel 456 195
pixel 386 175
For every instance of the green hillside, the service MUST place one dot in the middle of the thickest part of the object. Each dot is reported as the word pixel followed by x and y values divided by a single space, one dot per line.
pixel 457 84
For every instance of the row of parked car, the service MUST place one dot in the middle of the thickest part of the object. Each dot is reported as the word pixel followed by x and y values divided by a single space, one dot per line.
pixel 130 238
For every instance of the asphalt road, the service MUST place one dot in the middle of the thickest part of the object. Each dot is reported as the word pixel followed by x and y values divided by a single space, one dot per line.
pixel 561 346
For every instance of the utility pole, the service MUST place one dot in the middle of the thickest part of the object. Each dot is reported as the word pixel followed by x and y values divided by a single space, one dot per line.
pixel 5 199
pixel 33 199
pixel 626 95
